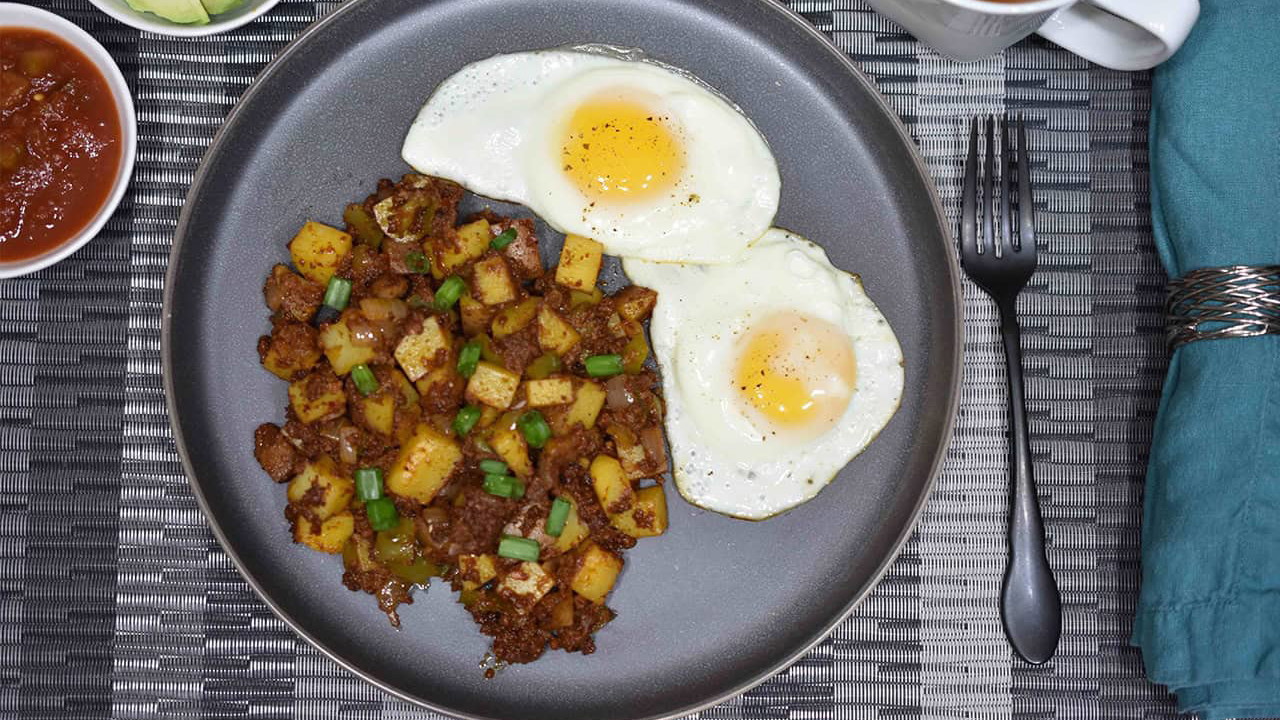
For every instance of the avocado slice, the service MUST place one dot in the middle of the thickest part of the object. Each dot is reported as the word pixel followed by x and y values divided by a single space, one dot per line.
pixel 187 12
pixel 216 7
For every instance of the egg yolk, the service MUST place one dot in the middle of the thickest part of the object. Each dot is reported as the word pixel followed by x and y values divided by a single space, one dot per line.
pixel 796 374
pixel 619 151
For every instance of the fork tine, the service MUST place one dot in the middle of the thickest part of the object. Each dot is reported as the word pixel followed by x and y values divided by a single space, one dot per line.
pixel 1026 210
pixel 988 192
pixel 1007 241
pixel 969 198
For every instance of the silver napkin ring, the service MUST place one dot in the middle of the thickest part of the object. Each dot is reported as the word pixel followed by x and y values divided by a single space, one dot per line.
pixel 1224 302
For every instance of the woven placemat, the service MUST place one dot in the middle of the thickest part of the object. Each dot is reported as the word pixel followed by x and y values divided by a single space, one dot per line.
pixel 115 601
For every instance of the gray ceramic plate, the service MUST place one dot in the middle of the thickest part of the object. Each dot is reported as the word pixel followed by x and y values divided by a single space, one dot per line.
pixel 714 606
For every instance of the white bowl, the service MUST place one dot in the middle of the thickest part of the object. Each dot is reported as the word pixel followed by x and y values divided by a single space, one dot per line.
pixel 13 15
pixel 150 22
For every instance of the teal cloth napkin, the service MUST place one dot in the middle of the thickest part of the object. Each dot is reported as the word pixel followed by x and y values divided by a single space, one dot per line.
pixel 1208 618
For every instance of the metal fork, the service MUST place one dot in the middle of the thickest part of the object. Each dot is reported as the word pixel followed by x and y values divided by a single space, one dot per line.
pixel 1001 264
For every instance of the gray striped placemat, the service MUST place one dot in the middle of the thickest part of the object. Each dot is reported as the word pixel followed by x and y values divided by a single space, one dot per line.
pixel 116 602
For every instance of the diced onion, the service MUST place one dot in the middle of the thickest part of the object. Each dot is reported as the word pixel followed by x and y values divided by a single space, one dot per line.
pixel 654 447
pixel 617 395
pixel 347 452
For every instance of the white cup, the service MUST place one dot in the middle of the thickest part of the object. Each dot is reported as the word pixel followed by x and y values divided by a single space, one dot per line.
pixel 1120 34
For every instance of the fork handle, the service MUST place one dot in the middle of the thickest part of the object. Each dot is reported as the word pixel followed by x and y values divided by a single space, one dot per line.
pixel 1030 605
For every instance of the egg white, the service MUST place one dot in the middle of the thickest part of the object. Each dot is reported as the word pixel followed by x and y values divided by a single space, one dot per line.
pixel 494 127
pixel 721 460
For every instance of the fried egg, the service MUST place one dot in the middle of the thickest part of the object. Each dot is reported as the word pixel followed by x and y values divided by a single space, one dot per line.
pixel 777 371
pixel 643 158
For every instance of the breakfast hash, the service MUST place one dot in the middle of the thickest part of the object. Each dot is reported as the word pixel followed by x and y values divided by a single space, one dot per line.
pixel 458 411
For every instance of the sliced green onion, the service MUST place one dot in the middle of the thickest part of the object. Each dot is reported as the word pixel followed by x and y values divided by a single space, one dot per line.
pixel 466 419
pixel 382 514
pixel 449 292
pixel 493 467
pixel 557 517
pixel 504 486
pixel 364 379
pixel 535 428
pixel 503 239
pixel 469 358
pixel 417 262
pixel 417 302
pixel 518 548
pixel 337 293
pixel 369 483
pixel 603 365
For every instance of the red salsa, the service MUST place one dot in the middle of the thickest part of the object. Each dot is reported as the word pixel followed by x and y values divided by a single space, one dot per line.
pixel 60 142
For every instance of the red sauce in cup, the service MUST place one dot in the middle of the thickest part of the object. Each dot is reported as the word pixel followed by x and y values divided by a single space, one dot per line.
pixel 60 142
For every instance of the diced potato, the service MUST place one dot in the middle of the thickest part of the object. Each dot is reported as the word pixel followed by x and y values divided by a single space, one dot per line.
pixel 635 303
pixel 424 350
pixel 435 380
pixel 493 282
pixel 596 574
pixel 341 349
pixel 574 530
pixel 579 262
pixel 488 415
pixel 647 517
pixel 476 316
pixel 515 318
pixel 611 484
pixel 630 452
pixel 475 237
pixel 510 445
pixel 317 251
pixel 363 225
pixel 562 613
pixel 456 249
pixel 493 385
pixel 554 333
pixel 617 326
pixel 384 215
pixel 290 358
pixel 316 397
pixel 425 462
pixel 400 384
pixel 549 391
pixel 525 584
pixel 586 405
pixel 476 570
pixel 378 413
pixel 633 461
pixel 395 397
pixel 407 214
pixel 578 298
pixel 332 537
pixel 321 487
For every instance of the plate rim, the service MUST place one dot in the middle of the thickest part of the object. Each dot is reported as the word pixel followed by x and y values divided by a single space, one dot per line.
pixel 779 12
